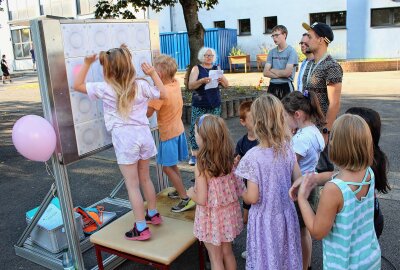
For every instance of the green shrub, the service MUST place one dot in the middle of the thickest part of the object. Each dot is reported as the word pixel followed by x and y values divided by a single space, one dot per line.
pixel 236 51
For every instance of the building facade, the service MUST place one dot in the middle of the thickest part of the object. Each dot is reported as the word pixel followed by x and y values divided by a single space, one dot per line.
pixel 363 29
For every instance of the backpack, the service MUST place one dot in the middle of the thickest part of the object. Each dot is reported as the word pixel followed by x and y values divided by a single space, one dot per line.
pixel 92 218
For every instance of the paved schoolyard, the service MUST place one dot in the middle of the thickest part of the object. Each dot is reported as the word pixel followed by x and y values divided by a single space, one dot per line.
pixel 24 183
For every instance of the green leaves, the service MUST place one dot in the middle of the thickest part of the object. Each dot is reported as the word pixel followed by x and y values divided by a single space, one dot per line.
pixel 108 10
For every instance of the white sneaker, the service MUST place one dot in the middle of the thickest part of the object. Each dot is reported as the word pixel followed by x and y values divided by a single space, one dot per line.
pixel 244 254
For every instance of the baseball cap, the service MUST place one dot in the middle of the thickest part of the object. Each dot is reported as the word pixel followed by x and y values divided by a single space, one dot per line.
pixel 323 30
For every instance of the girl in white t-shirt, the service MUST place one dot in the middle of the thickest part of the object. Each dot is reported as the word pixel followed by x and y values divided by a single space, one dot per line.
pixel 303 113
pixel 125 101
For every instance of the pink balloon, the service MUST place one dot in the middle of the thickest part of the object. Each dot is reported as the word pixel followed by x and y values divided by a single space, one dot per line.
pixel 34 137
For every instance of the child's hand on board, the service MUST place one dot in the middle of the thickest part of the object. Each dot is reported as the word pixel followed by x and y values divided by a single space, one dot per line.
pixel 89 59
pixel 148 69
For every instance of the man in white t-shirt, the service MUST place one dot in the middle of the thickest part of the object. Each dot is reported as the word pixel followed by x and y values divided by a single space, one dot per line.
pixel 309 56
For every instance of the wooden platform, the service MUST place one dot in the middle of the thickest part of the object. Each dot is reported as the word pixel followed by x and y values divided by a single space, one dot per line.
pixel 168 241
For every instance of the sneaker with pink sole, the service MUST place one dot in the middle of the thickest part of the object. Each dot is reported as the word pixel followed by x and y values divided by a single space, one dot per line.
pixel 155 220
pixel 136 235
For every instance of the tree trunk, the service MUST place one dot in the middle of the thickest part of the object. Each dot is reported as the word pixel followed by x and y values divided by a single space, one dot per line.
pixel 195 32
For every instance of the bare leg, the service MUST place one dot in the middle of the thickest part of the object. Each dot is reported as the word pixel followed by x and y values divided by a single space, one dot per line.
pixel 174 176
pixel 146 184
pixel 306 247
pixel 130 173
pixel 229 257
pixel 216 256
pixel 245 216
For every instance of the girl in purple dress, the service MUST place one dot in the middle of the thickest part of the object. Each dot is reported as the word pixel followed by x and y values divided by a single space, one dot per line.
pixel 273 233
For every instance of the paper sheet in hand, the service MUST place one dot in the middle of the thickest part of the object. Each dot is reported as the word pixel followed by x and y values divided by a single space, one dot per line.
pixel 214 75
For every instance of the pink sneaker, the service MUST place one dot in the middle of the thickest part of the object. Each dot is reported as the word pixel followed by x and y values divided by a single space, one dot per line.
pixel 155 220
pixel 135 235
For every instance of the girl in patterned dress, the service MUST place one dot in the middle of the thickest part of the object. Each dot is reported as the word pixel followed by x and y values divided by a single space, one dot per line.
pixel 345 214
pixel 273 233
pixel 218 218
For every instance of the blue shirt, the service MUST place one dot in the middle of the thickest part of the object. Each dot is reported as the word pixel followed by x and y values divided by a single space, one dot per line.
pixel 279 59
pixel 301 74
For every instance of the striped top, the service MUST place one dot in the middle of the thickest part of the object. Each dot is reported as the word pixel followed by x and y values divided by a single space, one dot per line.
pixel 352 242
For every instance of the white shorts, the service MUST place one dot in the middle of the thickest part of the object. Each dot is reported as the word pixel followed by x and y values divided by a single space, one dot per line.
pixel 132 143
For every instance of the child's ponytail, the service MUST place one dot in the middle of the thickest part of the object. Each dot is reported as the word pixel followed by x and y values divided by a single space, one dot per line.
pixel 306 102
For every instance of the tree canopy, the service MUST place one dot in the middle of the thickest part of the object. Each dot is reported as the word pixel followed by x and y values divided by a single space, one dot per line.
pixel 107 9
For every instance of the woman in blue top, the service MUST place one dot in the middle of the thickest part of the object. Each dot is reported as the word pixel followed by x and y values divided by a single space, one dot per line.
pixel 204 101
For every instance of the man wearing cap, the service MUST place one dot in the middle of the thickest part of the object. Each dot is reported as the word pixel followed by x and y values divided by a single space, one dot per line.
pixel 301 79
pixel 281 62
pixel 324 77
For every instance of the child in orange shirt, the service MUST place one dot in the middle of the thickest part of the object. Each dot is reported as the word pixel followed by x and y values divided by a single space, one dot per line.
pixel 173 145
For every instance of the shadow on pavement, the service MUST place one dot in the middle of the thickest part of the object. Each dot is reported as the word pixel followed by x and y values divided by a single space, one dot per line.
pixel 24 184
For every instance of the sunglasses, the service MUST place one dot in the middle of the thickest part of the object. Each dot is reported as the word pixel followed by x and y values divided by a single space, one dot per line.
pixel 113 50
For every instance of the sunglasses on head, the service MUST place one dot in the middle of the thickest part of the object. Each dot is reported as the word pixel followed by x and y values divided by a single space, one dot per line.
pixel 113 49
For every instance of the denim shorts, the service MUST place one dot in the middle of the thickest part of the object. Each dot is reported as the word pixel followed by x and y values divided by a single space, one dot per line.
pixel 171 151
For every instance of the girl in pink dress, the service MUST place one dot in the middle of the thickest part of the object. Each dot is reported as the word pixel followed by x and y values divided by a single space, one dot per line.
pixel 218 218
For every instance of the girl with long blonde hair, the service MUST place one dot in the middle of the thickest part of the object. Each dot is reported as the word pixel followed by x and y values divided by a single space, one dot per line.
pixel 218 218
pixel 273 233
pixel 125 101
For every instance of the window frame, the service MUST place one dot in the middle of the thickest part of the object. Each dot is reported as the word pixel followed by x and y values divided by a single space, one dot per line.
pixel 327 16
pixel 79 7
pixel 266 31
pixel 217 22
pixel 21 43
pixel 391 23
pixel 240 32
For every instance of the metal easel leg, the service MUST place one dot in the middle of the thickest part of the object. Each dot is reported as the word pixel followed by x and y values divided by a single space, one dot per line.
pixel 43 206
pixel 117 188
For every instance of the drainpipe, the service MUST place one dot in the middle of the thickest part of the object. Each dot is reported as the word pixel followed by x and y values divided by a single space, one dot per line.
pixel 171 20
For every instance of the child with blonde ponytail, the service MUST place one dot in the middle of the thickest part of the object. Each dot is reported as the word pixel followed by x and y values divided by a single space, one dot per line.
pixel 125 101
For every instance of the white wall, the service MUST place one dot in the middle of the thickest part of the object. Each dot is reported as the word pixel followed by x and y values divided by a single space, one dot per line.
pixel 383 42
pixel 5 37
pixel 290 13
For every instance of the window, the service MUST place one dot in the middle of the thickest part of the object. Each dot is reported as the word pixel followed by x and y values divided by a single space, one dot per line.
pixel 21 39
pixel 334 19
pixel 244 27
pixel 385 17
pixel 86 6
pixel 219 24
pixel 269 23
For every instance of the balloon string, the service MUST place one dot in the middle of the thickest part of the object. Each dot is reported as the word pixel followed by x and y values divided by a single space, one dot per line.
pixel 48 170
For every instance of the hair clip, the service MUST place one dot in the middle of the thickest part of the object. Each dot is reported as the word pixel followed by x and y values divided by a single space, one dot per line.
pixel 201 119
pixel 114 49
pixel 306 94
